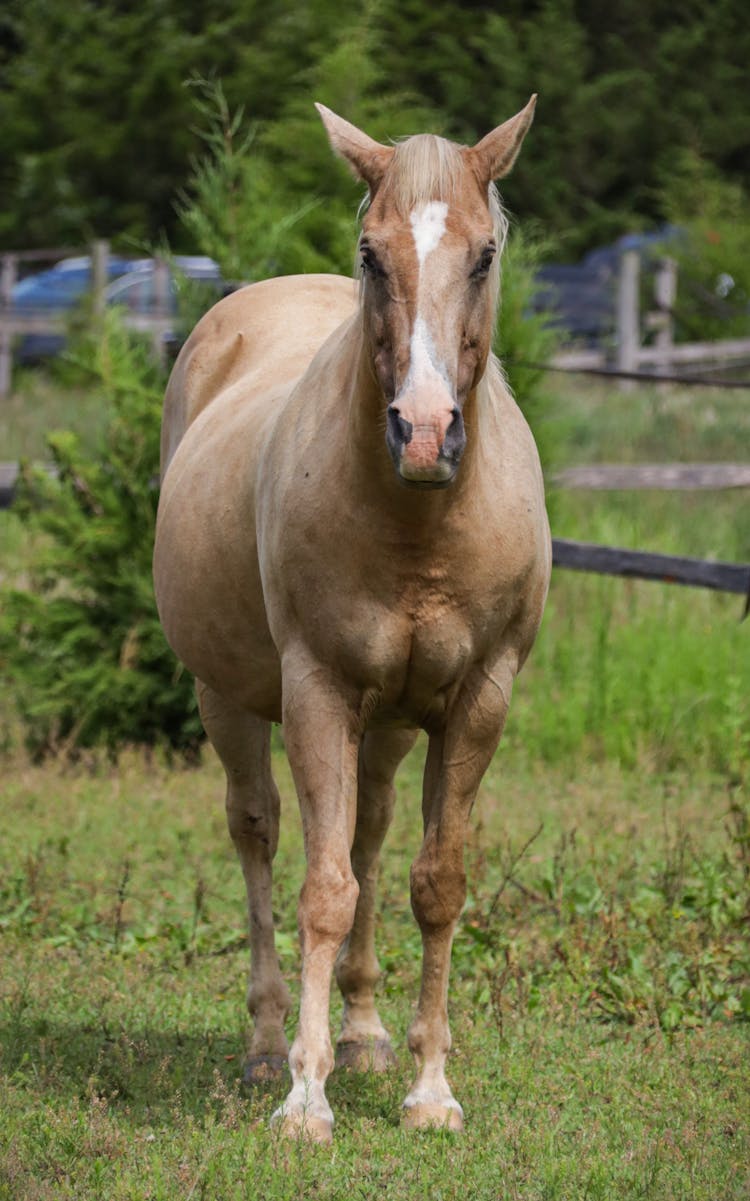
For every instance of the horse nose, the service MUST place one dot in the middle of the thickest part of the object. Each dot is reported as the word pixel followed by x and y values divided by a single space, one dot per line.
pixel 425 452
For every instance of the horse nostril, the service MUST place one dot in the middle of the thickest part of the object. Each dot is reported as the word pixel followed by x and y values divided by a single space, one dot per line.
pixel 399 430
pixel 455 437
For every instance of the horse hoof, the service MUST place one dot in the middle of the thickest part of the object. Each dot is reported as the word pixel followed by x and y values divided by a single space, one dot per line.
pixel 427 1115
pixel 305 1126
pixel 262 1070
pixel 377 1055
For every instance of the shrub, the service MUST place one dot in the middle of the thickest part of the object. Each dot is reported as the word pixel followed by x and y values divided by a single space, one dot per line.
pixel 712 253
pixel 82 642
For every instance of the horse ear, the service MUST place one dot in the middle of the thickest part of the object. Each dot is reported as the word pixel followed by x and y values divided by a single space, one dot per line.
pixel 367 158
pixel 495 155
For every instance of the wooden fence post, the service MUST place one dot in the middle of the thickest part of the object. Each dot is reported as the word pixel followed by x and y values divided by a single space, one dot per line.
pixel 8 275
pixel 161 306
pixel 665 291
pixel 99 274
pixel 628 316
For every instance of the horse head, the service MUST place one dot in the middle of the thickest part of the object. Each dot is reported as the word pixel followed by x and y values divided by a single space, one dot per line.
pixel 429 253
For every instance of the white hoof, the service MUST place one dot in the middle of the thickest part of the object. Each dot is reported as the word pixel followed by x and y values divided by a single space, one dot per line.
pixel 305 1126
pixel 426 1115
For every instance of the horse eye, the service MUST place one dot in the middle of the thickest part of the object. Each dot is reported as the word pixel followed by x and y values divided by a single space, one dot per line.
pixel 369 262
pixel 485 262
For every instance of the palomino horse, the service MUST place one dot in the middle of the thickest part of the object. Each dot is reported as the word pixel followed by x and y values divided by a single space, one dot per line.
pixel 352 539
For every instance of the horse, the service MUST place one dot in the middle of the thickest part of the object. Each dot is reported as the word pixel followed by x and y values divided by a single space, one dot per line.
pixel 352 540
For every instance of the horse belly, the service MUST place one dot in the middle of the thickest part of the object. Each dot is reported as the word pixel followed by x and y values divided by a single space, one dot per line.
pixel 206 574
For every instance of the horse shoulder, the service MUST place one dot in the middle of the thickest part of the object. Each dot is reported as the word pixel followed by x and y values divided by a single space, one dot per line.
pixel 261 336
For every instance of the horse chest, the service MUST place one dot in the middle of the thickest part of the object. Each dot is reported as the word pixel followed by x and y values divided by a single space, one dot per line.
pixel 408 651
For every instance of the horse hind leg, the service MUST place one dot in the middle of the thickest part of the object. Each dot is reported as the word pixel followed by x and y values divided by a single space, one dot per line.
pixel 243 742
pixel 364 1042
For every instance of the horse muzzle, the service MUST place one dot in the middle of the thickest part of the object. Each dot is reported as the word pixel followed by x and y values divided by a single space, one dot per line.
pixel 426 453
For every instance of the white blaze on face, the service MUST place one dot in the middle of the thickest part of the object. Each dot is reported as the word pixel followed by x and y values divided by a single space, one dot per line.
pixel 428 227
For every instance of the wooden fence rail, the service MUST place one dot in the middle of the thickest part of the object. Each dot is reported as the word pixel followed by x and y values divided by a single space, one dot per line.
pixel 663 477
pixel 646 565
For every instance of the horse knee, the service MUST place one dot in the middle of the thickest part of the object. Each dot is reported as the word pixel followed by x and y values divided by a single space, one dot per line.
pixel 438 891
pixel 252 817
pixel 327 904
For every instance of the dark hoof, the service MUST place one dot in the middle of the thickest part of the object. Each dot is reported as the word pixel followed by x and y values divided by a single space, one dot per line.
pixel 374 1056
pixel 264 1069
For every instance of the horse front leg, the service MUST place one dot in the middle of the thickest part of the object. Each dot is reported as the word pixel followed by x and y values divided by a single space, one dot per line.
pixel 322 735
pixel 456 761
pixel 364 1042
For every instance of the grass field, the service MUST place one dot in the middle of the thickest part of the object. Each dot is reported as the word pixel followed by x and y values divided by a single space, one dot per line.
pixel 595 997
pixel 601 972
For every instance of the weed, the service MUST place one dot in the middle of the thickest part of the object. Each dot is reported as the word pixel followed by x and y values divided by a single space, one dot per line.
pixel 660 942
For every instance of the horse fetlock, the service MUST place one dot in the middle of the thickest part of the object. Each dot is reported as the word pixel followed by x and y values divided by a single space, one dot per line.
pixel 310 1065
pixel 269 1001
pixel 366 1055
pixel 430 1039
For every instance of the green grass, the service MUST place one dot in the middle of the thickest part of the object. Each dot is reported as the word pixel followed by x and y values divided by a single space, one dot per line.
pixel 122 1007
pixel 42 402
pixel 596 422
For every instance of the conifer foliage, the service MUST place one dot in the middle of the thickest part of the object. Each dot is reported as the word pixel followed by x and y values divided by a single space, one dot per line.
pixel 82 642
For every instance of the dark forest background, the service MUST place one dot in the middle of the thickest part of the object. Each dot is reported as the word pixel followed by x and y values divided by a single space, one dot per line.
pixel 640 101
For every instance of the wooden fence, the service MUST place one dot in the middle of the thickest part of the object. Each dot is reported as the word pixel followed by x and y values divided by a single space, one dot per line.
pixel 662 354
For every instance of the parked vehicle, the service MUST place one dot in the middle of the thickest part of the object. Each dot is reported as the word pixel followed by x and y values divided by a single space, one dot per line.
pixel 579 298
pixel 133 284
pixel 58 288
pixel 138 291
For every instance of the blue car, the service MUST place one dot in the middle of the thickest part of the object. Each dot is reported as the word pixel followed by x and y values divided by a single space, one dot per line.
pixel 137 291
pixel 579 298
pixel 131 284
pixel 60 287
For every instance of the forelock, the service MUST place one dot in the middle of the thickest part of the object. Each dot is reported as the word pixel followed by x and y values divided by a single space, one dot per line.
pixel 424 168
